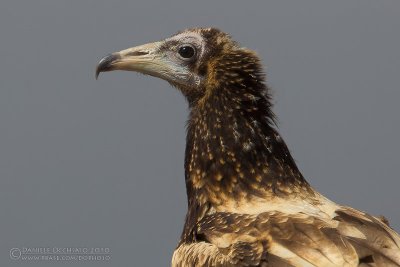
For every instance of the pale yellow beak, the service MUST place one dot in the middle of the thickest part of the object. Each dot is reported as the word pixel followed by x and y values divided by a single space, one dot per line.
pixel 145 59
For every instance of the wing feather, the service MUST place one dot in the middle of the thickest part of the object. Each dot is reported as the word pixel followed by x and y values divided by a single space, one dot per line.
pixel 351 238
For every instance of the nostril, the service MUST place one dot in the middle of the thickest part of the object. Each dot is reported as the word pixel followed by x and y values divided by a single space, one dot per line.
pixel 137 53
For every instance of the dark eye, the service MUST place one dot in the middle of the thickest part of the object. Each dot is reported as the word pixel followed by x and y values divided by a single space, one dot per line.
pixel 186 51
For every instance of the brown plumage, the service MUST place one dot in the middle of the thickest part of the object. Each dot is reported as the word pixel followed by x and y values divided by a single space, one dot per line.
pixel 248 204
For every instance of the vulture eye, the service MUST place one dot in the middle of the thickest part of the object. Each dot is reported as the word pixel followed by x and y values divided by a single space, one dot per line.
pixel 186 51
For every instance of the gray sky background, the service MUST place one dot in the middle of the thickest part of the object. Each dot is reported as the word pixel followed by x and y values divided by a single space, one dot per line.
pixel 87 163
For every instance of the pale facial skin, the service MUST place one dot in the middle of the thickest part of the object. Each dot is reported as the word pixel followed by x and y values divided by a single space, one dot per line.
pixel 173 59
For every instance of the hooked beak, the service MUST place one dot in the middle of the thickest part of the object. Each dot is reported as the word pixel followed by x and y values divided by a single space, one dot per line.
pixel 144 59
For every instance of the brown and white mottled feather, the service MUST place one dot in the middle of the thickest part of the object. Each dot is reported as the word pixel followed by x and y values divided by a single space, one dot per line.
pixel 351 238
pixel 252 205
pixel 248 203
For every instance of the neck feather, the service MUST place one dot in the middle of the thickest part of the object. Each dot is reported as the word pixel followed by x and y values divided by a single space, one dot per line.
pixel 233 150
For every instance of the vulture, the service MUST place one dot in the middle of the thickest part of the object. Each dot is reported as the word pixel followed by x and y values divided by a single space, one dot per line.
pixel 248 203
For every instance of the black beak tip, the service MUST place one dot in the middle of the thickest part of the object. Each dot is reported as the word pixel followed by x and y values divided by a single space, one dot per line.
pixel 97 73
pixel 105 64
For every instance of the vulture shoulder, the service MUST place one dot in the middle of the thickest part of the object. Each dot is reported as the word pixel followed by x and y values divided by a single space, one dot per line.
pixel 350 238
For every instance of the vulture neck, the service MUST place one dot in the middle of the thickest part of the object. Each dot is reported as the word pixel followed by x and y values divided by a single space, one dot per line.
pixel 233 153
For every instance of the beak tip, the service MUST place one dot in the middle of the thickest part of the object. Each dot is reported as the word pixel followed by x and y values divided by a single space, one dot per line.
pixel 97 73
pixel 105 64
